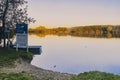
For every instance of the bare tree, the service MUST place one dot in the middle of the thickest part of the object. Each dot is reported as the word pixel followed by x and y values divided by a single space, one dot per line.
pixel 11 13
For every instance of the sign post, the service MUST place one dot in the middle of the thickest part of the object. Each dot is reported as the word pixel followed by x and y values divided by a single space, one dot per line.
pixel 21 36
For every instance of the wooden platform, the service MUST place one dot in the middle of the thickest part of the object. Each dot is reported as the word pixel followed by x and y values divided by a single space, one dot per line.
pixel 36 50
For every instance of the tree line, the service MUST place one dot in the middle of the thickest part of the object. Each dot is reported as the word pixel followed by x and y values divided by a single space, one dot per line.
pixel 81 31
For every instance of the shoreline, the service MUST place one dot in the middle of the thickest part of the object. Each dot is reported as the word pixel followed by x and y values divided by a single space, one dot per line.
pixel 39 73
pixel 19 63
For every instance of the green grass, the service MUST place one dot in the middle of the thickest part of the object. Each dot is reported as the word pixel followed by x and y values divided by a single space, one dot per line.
pixel 8 56
pixel 7 59
pixel 96 75
pixel 16 76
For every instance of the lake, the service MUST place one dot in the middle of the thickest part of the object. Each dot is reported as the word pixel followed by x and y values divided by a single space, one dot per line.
pixel 77 54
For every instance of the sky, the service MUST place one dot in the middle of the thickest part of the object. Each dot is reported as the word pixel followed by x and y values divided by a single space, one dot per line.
pixel 70 13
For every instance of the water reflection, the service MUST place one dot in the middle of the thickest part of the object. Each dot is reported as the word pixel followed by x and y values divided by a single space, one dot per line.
pixel 77 54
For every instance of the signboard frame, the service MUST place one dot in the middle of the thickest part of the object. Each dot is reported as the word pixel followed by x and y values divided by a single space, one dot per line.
pixel 21 36
pixel 21 28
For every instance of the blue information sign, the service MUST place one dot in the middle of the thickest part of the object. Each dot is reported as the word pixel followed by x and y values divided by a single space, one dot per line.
pixel 21 28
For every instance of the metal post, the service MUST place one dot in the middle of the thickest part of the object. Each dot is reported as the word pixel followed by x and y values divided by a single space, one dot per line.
pixel 27 48
pixel 17 47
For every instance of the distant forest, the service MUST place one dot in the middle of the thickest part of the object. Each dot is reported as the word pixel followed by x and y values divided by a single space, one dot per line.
pixel 107 31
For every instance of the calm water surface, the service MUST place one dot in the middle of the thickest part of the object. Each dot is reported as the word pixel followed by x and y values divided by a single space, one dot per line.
pixel 77 54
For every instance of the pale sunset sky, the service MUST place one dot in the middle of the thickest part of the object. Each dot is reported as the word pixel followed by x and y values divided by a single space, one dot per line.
pixel 69 13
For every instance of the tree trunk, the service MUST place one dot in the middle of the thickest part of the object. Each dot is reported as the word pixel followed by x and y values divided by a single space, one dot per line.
pixel 3 22
pixel 4 36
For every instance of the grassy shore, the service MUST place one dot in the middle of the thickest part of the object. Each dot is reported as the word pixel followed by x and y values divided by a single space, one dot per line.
pixel 8 56
pixel 96 75
pixel 23 70
pixel 16 76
